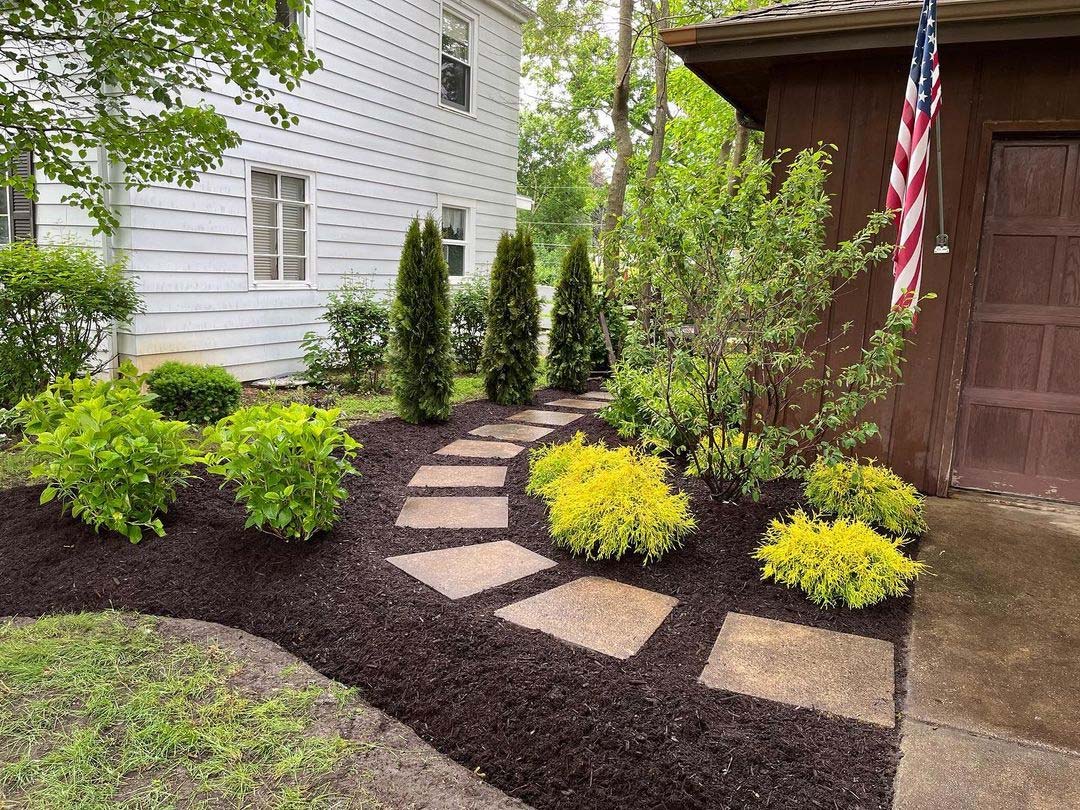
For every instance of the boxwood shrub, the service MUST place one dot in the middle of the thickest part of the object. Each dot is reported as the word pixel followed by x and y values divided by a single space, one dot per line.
pixel 198 394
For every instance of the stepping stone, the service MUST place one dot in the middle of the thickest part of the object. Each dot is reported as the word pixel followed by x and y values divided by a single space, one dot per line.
pixel 465 570
pixel 603 395
pixel 596 613
pixel 583 404
pixel 454 475
pixel 459 512
pixel 470 448
pixel 513 433
pixel 556 418
pixel 839 673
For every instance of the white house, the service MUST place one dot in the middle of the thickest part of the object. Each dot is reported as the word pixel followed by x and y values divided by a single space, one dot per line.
pixel 414 111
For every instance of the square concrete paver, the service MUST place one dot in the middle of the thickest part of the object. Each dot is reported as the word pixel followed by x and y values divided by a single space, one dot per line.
pixel 582 404
pixel 596 613
pixel 511 432
pixel 839 673
pixel 465 570
pixel 458 475
pixel 454 513
pixel 602 395
pixel 471 448
pixel 556 418
pixel 946 768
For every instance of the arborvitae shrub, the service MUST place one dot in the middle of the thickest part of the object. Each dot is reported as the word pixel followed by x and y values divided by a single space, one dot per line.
pixel 842 562
pixel 420 358
pixel 193 393
pixel 867 492
pixel 573 322
pixel 510 362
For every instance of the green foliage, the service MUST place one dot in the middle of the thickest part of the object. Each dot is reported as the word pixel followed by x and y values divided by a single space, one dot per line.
pixel 288 464
pixel 618 326
pixel 112 461
pixel 468 321
pixel 510 360
pixel 869 493
pixel 842 562
pixel 420 358
pixel 194 393
pixel 352 352
pixel 741 280
pixel 573 322
pixel 123 76
pixel 607 502
pixel 43 412
pixel 57 304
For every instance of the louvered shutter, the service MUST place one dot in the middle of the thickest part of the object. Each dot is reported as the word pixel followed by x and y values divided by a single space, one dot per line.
pixel 22 207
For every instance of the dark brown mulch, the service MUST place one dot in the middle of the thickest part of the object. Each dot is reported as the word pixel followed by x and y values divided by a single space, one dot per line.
pixel 556 726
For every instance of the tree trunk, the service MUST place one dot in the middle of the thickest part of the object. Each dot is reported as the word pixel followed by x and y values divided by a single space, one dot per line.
pixel 738 152
pixel 624 147
pixel 658 16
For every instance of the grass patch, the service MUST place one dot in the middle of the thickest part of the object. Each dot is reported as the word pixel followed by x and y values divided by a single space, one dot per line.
pixel 99 710
pixel 14 467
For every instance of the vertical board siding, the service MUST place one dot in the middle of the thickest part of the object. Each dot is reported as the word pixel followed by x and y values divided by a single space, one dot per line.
pixel 383 151
pixel 855 103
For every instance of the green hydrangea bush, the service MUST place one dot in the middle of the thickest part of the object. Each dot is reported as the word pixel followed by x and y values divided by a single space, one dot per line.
pixel 287 463
pixel 867 492
pixel 193 393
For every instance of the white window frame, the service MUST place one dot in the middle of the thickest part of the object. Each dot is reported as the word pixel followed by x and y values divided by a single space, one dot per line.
pixel 306 24
pixel 473 19
pixel 9 199
pixel 310 281
pixel 469 207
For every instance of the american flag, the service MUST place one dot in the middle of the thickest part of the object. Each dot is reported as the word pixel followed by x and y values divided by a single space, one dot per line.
pixel 911 165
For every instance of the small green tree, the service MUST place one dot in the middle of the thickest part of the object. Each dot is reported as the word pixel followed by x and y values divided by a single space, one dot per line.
pixel 573 322
pixel 420 359
pixel 510 360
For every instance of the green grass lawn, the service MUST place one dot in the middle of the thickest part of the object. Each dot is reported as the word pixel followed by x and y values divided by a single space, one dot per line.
pixel 100 710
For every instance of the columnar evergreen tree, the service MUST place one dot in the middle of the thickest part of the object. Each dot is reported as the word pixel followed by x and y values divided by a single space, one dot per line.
pixel 420 357
pixel 573 321
pixel 511 360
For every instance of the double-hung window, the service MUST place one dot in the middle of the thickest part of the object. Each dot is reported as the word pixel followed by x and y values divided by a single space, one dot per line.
pixel 5 216
pixel 455 238
pixel 457 61
pixel 280 227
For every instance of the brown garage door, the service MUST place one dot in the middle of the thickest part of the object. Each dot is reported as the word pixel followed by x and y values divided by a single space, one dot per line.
pixel 1019 425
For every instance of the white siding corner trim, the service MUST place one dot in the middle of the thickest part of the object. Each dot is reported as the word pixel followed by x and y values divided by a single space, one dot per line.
pixel 310 203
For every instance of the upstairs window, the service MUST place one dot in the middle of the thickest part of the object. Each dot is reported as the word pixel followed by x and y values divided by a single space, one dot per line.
pixel 457 56
pixel 280 226
pixel 455 238
pixel 286 17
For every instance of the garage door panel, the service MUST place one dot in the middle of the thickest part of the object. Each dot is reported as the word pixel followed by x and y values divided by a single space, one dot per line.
pixel 1029 180
pixel 997 437
pixel 1060 451
pixel 1005 350
pixel 1019 270
pixel 1070 281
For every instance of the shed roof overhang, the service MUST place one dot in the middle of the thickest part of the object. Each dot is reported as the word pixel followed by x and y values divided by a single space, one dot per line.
pixel 735 55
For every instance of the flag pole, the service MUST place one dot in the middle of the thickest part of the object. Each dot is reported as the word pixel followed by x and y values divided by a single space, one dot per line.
pixel 942 244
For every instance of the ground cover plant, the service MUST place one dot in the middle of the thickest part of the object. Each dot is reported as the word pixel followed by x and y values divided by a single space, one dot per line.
pixel 510 359
pixel 866 492
pixel 57 304
pixel 100 711
pixel 573 321
pixel 193 393
pixel 287 465
pixel 468 321
pixel 605 502
pixel 351 355
pixel 842 562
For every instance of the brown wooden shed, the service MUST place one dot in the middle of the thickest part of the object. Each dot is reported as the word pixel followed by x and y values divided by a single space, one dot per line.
pixel 991 392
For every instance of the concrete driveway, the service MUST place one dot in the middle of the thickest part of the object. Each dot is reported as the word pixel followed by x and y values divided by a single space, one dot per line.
pixel 992 714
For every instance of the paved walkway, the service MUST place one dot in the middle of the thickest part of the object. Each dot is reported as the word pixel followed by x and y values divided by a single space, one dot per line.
pixel 992 717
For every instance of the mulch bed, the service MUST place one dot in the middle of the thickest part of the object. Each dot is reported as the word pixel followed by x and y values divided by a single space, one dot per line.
pixel 556 726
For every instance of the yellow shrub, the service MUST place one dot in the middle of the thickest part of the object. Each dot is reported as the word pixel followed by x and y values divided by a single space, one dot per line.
pixel 866 492
pixel 605 502
pixel 845 562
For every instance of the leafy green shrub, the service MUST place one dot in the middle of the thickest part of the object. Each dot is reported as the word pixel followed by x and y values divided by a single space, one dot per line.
pixel 868 493
pixel 605 502
pixel 420 359
pixel 43 412
pixel 112 461
pixel 11 424
pixel 57 304
pixel 194 393
pixel 288 464
pixel 510 360
pixel 352 353
pixel 618 328
pixel 468 321
pixel 573 322
pixel 842 562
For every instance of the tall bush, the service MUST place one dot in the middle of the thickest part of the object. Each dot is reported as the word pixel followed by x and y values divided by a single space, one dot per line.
pixel 57 304
pixel 421 363
pixel 353 350
pixel 511 361
pixel 573 321
pixel 468 321
pixel 741 281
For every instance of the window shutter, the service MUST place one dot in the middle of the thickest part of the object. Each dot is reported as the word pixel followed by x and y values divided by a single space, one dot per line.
pixel 22 207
